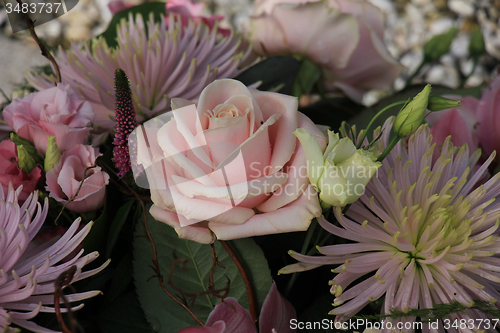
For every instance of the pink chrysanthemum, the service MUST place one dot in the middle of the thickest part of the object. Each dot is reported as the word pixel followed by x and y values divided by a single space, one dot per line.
pixel 178 61
pixel 426 230
pixel 29 268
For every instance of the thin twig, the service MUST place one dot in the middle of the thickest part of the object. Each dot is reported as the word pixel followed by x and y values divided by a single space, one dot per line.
pixel 42 47
pixel 156 265
pixel 63 280
pixel 244 275
pixel 76 194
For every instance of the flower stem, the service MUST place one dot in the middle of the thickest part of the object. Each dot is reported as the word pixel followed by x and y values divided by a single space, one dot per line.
pixel 388 149
pixel 365 133
pixel 244 275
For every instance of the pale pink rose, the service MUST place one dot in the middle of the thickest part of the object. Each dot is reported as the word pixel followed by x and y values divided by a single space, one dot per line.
pixel 461 123
pixel 344 37
pixel 230 164
pixel 230 317
pixel 488 114
pixel 10 172
pixel 56 111
pixel 64 180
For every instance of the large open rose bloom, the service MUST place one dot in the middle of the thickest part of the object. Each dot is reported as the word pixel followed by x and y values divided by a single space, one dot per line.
pixel 344 37
pixel 230 164
pixel 55 111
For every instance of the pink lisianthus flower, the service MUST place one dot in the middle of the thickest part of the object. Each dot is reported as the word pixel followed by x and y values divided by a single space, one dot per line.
pixel 55 111
pixel 343 37
pixel 461 123
pixel 64 180
pixel 11 173
pixel 230 317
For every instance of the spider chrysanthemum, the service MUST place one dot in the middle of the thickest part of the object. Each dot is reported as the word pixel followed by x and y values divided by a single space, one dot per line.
pixel 161 60
pixel 29 267
pixel 423 233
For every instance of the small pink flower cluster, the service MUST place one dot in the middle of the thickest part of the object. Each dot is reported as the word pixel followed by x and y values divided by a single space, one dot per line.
pixel 56 112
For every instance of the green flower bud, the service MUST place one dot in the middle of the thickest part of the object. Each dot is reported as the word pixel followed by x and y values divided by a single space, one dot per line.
pixel 26 162
pixel 439 45
pixel 341 173
pixel 411 116
pixel 28 145
pixel 19 140
pixel 476 45
pixel 438 103
pixel 52 155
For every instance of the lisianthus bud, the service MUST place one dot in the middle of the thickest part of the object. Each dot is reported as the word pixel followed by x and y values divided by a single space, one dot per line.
pixel 438 103
pixel 411 116
pixel 476 46
pixel 26 162
pixel 342 172
pixel 52 155
pixel 439 45
pixel 28 145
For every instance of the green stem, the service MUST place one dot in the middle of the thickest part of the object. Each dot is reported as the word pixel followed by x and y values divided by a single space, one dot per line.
pixel 305 246
pixel 365 133
pixel 408 81
pixel 388 149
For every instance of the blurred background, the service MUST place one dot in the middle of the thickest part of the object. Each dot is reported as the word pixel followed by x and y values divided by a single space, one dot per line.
pixel 409 24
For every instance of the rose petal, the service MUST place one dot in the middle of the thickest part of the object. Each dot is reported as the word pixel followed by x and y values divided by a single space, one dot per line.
pixel 295 216
pixel 280 134
pixel 194 233
pixel 296 169
pixel 218 92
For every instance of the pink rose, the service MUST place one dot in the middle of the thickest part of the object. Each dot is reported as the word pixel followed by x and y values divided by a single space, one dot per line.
pixel 64 180
pixel 10 172
pixel 488 114
pixel 230 164
pixel 55 112
pixel 230 317
pixel 344 37
pixel 460 123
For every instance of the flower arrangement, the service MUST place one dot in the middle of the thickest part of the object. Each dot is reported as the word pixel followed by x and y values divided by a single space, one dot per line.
pixel 237 180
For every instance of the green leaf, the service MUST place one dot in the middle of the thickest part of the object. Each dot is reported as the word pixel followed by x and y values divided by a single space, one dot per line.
pixel 124 315
pixel 117 224
pixel 157 9
pixel 122 277
pixel 309 74
pixel 164 314
pixel 275 73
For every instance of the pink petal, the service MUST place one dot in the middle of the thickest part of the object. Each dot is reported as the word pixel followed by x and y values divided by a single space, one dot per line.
pixel 276 312
pixel 295 216
pixel 236 318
